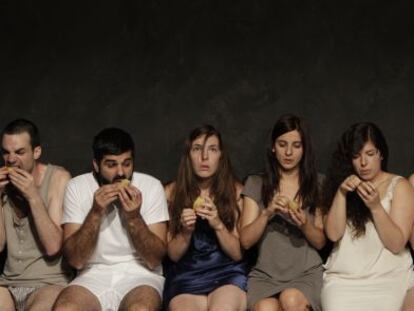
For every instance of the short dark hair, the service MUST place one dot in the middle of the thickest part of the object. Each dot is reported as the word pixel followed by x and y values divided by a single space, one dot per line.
pixel 111 141
pixel 19 126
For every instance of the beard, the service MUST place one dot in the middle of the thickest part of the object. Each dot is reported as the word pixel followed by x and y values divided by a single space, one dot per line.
pixel 104 181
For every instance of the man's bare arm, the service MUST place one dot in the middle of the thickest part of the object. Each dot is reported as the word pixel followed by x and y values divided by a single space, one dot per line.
pixel 149 240
pixel 80 240
pixel 46 215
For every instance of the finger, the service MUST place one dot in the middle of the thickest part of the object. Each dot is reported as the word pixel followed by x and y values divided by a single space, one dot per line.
pixel 362 193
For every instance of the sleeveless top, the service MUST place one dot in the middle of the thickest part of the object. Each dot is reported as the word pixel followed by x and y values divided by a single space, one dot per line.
pixel 26 265
pixel 366 258
pixel 362 274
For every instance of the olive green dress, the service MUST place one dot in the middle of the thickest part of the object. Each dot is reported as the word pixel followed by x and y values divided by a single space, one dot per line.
pixel 285 257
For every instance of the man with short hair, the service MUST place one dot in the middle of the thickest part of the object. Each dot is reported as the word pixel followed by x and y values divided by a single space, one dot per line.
pixel 115 231
pixel 30 215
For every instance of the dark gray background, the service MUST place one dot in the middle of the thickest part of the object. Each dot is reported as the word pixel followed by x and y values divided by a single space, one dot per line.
pixel 159 68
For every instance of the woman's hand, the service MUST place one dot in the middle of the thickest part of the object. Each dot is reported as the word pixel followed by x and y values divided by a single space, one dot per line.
pixel 349 184
pixel 369 194
pixel 188 220
pixel 209 211
pixel 298 216
pixel 279 203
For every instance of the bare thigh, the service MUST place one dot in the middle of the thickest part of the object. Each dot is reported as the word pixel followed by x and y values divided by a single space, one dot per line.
pixel 141 298
pixel 267 304
pixel 188 302
pixel 6 299
pixel 227 297
pixel 77 298
pixel 43 298
pixel 409 300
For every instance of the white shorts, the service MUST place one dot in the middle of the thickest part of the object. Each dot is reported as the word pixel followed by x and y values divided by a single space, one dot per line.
pixel 110 283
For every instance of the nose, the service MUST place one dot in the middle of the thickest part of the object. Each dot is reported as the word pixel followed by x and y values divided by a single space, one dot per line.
pixel 288 150
pixel 204 155
pixel 363 160
pixel 120 170
pixel 10 158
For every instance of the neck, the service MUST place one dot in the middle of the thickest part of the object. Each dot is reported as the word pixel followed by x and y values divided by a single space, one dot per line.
pixel 37 173
pixel 290 175
pixel 204 185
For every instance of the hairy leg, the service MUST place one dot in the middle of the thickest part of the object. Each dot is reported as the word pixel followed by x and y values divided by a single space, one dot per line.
pixel 141 298
pixel 43 298
pixel 76 298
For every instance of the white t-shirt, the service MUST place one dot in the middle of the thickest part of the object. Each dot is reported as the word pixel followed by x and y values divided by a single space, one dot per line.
pixel 114 245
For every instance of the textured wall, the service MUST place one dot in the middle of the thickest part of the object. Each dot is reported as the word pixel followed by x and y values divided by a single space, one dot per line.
pixel 159 68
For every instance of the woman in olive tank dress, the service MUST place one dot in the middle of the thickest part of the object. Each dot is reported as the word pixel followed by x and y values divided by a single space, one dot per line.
pixel 281 218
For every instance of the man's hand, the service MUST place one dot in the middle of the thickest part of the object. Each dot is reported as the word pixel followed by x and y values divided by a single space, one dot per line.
pixel 131 199
pixel 4 180
pixel 24 182
pixel 103 197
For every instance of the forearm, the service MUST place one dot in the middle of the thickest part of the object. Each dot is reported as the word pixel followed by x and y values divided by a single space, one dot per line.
pixel 79 247
pixel 50 235
pixel 390 234
pixel 229 243
pixel 2 230
pixel 178 246
pixel 336 219
pixel 148 245
pixel 315 236
pixel 250 234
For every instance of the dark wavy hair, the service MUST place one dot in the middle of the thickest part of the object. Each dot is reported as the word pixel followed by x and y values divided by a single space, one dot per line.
pixel 223 184
pixel 308 180
pixel 351 143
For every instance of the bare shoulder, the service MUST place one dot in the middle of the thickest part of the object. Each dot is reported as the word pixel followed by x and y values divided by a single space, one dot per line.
pixel 169 190
pixel 239 188
pixel 60 177
pixel 411 179
pixel 403 186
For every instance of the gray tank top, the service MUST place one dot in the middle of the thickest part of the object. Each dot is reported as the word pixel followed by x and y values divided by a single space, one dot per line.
pixel 26 265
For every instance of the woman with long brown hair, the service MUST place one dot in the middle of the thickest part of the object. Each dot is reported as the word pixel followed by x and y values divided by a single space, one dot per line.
pixel 369 215
pixel 205 268
pixel 281 217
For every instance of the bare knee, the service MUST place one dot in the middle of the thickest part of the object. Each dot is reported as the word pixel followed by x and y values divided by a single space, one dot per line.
pixel 293 299
pixel 266 304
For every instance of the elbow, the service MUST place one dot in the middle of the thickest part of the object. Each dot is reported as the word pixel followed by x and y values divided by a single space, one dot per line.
pixel 53 249
pixel 76 264
pixel 245 243
pixel 153 264
pixel 396 249
pixel 237 257
pixel 333 235
pixel 320 244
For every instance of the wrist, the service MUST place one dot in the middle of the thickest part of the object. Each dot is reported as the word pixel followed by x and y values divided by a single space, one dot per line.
pixel 219 227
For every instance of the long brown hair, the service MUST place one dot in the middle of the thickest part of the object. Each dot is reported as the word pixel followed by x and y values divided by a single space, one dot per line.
pixel 222 188
pixel 308 184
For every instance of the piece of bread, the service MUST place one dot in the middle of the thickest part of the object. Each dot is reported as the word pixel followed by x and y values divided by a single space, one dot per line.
pixel 293 205
pixel 199 202
pixel 123 183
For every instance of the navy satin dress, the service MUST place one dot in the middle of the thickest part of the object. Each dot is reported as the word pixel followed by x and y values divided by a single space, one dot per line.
pixel 203 268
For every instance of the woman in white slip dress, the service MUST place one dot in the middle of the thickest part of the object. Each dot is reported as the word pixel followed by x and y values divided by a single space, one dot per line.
pixel 369 215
